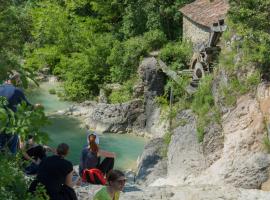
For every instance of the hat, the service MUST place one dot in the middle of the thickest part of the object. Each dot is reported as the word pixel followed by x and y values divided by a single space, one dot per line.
pixel 92 133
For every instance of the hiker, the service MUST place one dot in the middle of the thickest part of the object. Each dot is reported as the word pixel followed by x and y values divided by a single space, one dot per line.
pixel 35 153
pixel 92 133
pixel 14 96
pixel 115 183
pixel 56 173
pixel 90 157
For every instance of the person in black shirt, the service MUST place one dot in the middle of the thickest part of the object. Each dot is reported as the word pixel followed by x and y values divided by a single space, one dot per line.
pixel 55 173
pixel 35 153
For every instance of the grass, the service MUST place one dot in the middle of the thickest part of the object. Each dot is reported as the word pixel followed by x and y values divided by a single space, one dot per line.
pixel 124 94
pixel 166 139
pixel 266 144
pixel 203 104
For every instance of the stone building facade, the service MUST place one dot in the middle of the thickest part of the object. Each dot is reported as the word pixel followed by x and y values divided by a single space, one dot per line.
pixel 199 16
pixel 195 32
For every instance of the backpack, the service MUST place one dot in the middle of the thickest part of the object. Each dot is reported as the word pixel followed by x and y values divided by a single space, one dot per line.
pixel 94 176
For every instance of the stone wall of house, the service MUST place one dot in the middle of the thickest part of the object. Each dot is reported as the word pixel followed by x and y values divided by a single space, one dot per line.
pixel 195 32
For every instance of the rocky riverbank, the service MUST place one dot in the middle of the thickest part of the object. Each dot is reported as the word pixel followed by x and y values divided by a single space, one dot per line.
pixel 140 116
pixel 230 163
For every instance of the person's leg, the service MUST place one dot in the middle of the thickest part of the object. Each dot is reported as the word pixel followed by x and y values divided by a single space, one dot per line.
pixel 31 169
pixel 3 141
pixel 106 165
pixel 13 143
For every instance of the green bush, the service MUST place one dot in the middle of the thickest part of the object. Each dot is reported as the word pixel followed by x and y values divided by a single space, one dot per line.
pixel 13 184
pixel 253 47
pixel 177 55
pixel 52 91
pixel 236 87
pixel 124 94
pixel 155 39
pixel 166 142
pixel 125 58
pixel 204 106
pixel 266 143
pixel 24 122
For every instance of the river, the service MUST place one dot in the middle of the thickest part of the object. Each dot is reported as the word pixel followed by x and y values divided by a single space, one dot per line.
pixel 67 129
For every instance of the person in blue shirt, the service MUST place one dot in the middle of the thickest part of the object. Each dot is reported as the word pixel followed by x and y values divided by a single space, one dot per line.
pixel 14 96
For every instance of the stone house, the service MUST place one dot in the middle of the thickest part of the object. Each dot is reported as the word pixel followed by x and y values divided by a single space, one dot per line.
pixel 199 16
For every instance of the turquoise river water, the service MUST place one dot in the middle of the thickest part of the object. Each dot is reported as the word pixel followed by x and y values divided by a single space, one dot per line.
pixel 67 129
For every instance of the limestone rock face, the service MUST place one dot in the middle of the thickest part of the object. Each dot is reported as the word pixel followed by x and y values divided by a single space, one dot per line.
pixel 115 118
pixel 194 192
pixel 154 81
pixel 263 97
pixel 231 154
pixel 246 163
pixel 243 163
pixel 151 165
pixel 213 143
pixel 141 116
pixel 185 156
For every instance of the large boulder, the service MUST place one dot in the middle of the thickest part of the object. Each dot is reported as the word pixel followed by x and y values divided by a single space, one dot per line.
pixel 244 129
pixel 243 162
pixel 154 81
pixel 194 192
pixel 185 155
pixel 231 153
pixel 153 78
pixel 213 143
pixel 115 118
pixel 151 165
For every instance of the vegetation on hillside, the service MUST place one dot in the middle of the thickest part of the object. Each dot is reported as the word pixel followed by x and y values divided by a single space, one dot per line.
pixel 245 62
pixel 89 43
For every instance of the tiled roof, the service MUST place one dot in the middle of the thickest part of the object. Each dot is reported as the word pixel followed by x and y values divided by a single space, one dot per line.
pixel 205 12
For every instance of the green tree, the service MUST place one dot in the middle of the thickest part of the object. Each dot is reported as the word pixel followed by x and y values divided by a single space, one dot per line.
pixel 255 34
pixel 14 32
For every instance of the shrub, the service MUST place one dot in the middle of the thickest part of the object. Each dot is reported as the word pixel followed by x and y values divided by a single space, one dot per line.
pixel 166 142
pixel 237 87
pixel 266 143
pixel 203 105
pixel 52 91
pixel 124 94
pixel 177 55
pixel 125 58
pixel 155 39
pixel 13 183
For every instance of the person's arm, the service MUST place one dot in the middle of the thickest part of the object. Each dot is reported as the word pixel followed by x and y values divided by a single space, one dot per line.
pixel 106 154
pixel 53 150
pixel 26 156
pixel 69 181
pixel 20 95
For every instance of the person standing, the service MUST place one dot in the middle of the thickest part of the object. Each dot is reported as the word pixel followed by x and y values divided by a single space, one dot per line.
pixel 55 173
pixel 14 97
